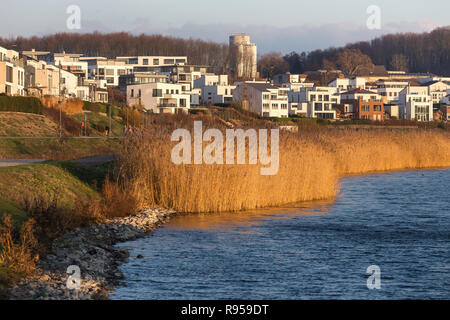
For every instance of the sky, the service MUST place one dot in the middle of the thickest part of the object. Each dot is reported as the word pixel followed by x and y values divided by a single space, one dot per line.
pixel 284 26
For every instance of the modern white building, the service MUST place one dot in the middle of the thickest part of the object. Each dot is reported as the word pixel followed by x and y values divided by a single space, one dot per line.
pixel 389 90
pixel 217 94
pixel 148 63
pixel 289 78
pixel 360 94
pixel 159 97
pixel 262 98
pixel 211 80
pixel 347 84
pixel 437 90
pixel 12 73
pixel 71 62
pixel 110 70
pixel 321 101
pixel 415 104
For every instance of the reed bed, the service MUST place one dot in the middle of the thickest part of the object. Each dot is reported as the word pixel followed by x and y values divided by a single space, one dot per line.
pixel 311 162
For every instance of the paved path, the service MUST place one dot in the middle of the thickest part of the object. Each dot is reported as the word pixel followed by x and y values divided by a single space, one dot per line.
pixel 17 162
pixel 89 161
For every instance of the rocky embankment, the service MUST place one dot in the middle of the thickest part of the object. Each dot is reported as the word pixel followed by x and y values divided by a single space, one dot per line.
pixel 92 250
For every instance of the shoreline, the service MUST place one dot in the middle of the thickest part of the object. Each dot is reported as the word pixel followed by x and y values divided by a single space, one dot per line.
pixel 93 250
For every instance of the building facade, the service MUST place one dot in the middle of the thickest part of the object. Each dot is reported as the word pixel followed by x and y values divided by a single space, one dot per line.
pixel 159 97
pixel 262 98
pixel 12 73
pixel 415 104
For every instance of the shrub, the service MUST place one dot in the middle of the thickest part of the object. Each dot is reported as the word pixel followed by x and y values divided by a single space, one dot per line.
pixel 21 104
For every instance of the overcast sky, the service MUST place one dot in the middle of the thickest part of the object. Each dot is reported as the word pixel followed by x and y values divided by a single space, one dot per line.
pixel 274 25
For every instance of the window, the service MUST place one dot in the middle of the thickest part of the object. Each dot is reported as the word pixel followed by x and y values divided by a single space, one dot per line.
pixel 157 92
pixel 132 93
pixel 274 106
pixel 169 61
pixel 266 106
pixel 140 93
pixel 283 106
pixel 145 62
pixel 156 62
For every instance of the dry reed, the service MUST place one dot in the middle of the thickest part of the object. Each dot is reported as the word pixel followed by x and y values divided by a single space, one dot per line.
pixel 310 164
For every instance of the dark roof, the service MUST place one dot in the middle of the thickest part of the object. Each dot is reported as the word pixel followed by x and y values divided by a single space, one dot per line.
pixel 262 86
pixel 429 83
pixel 359 91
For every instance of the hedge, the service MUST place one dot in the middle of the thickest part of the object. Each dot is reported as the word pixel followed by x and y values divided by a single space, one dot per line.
pixel 20 104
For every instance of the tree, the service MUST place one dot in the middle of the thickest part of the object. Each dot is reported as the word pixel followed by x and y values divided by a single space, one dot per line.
pixel 399 62
pixel 353 62
pixel 272 63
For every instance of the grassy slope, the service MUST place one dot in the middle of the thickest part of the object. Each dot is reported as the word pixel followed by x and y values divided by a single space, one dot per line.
pixel 14 124
pixel 95 119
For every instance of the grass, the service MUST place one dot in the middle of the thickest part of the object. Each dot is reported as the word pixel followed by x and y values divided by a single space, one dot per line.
pixel 14 124
pixel 18 215
pixel 52 180
pixel 39 202
pixel 99 122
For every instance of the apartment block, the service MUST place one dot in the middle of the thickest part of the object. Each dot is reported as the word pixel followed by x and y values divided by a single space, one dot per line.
pixel 217 94
pixel 262 98
pixel 321 101
pixel 159 97
pixel 12 73
pixel 348 84
pixel 415 104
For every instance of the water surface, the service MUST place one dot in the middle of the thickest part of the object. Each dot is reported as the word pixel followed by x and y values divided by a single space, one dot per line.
pixel 398 221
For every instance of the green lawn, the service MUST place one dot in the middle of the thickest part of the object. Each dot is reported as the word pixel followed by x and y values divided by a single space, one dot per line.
pixel 98 121
pixel 66 182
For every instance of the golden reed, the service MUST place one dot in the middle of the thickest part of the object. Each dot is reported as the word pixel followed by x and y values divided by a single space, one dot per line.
pixel 311 162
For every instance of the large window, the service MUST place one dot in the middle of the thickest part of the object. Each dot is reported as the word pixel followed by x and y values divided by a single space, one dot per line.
pixel 157 92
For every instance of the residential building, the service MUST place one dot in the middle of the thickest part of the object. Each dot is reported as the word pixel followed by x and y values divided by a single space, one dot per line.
pixel 348 84
pixel 12 73
pixel 321 102
pixel 141 78
pixel 150 63
pixel 362 104
pixel 262 98
pixel 297 103
pixel 211 80
pixel 437 90
pixel 110 70
pixel 159 97
pixel 296 87
pixel 217 94
pixel 389 90
pixel 244 57
pixel 391 110
pixel 71 62
pixel 289 78
pixel 446 112
pixel 41 79
pixel 415 104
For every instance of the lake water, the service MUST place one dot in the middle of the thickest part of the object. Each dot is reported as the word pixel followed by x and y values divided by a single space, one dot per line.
pixel 398 221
